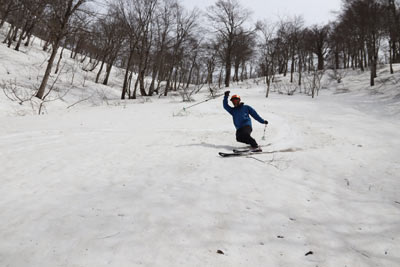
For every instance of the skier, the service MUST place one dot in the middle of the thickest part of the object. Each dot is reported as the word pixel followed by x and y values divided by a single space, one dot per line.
pixel 241 119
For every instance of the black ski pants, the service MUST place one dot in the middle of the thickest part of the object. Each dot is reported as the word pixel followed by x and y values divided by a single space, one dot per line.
pixel 243 136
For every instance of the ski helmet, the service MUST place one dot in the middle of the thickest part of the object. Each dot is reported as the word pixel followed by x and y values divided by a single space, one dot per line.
pixel 234 97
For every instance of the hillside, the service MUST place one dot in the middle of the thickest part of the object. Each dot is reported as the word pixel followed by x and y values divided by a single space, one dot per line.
pixel 21 73
pixel 140 183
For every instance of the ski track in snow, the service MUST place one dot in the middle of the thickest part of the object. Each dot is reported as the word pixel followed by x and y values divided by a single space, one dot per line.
pixel 138 186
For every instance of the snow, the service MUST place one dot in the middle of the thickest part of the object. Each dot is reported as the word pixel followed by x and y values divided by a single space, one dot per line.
pixel 140 183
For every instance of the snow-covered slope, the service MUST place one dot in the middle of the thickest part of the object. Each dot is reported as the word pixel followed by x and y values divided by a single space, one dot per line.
pixel 141 184
pixel 21 73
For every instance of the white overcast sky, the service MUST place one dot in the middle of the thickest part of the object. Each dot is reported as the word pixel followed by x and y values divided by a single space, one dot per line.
pixel 313 11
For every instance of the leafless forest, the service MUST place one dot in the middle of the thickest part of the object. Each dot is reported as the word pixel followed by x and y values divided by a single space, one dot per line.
pixel 163 47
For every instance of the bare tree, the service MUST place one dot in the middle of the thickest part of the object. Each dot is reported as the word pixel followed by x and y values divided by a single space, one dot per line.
pixel 31 13
pixel 242 51
pixel 228 18
pixel 129 18
pixel 145 17
pixel 283 47
pixel 110 38
pixel 392 28
pixel 366 19
pixel 210 58
pixel 7 7
pixel 268 47
pixel 185 25
pixel 317 38
pixel 60 12
pixel 163 23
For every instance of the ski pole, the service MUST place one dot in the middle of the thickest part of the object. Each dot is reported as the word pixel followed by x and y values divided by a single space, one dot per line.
pixel 265 129
pixel 214 97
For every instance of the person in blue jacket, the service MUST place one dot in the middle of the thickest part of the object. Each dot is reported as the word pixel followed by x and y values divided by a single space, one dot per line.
pixel 241 119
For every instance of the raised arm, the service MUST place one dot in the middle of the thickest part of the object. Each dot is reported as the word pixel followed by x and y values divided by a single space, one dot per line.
pixel 225 103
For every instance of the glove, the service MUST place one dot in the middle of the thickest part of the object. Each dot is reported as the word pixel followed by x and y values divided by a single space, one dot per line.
pixel 265 122
pixel 227 93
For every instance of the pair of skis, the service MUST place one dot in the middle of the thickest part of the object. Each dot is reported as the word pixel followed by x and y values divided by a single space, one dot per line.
pixel 242 152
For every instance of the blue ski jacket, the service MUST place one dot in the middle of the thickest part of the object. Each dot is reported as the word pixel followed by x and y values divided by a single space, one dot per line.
pixel 241 114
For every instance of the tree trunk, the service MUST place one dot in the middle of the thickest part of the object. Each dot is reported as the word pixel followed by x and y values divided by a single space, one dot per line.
pixel 267 78
pixel 175 79
pixel 313 85
pixel 210 71
pixel 190 72
pixel 28 39
pixel 366 63
pixel 300 70
pixel 320 61
pixel 100 70
pixel 220 79
pixel 362 59
pixel 9 34
pixel 133 96
pixel 373 61
pixel 157 90
pixel 390 58
pixel 236 73
pixel 129 84
pixel 168 81
pixel 228 67
pixel 141 83
pixel 395 52
pixel 153 80
pixel 242 73
pixel 142 70
pixel 372 80
pixel 286 68
pixel 180 80
pixel 59 61
pixel 13 36
pixel 20 37
pixel 46 45
pixel 337 59
pixel 125 85
pixel 46 76
pixel 292 69
pixel 108 71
